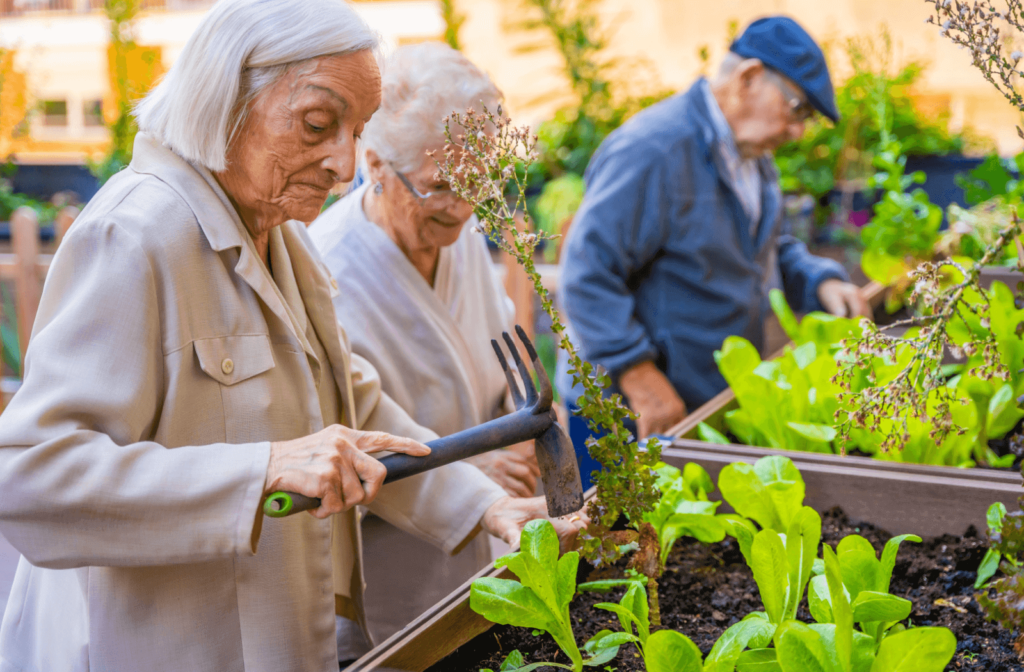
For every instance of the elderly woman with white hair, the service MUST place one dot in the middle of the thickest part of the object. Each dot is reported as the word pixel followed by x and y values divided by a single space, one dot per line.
pixel 186 361
pixel 421 303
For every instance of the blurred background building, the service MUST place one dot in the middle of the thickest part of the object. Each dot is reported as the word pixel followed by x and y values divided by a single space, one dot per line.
pixel 57 75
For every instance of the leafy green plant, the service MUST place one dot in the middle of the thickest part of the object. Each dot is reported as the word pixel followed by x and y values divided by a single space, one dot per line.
pixel 990 563
pixel 905 226
pixel 514 663
pixel 992 179
pixel 683 508
pixel 541 597
pixel 792 402
pixel 788 402
pixel 1003 599
pixel 453 21
pixel 865 581
pixel 662 651
pixel 837 647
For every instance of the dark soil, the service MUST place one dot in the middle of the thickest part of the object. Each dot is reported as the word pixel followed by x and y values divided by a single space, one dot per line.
pixel 707 588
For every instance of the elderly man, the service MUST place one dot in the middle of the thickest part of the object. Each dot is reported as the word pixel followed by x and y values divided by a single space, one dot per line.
pixel 680 234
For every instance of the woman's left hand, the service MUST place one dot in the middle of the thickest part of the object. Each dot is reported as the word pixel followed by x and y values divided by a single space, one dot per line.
pixel 515 468
pixel 507 517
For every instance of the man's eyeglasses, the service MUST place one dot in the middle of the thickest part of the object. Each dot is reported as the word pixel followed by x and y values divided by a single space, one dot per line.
pixel 800 109
pixel 439 199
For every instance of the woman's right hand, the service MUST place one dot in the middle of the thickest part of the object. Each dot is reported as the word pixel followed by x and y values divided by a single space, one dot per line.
pixel 334 465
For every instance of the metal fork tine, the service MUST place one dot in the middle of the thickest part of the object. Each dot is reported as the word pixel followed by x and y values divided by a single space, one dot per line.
pixel 513 387
pixel 546 395
pixel 524 373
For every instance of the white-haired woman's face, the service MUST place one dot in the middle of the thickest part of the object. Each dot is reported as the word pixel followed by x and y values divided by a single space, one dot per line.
pixel 424 223
pixel 299 139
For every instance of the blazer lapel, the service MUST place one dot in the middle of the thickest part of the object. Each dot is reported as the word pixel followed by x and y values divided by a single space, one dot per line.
pixel 216 215
pixel 316 287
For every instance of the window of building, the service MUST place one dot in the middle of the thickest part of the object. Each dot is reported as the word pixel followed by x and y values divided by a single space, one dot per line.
pixel 55 113
pixel 93 113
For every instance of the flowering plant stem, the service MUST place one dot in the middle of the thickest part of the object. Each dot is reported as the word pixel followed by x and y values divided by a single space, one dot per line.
pixel 888 407
pixel 483 162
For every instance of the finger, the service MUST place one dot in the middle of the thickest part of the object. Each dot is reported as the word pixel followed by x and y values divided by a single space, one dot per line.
pixel 863 307
pixel 331 502
pixel 374 442
pixel 352 489
pixel 371 474
pixel 520 472
pixel 516 488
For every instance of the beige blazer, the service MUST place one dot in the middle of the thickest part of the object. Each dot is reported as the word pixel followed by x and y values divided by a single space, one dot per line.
pixel 133 459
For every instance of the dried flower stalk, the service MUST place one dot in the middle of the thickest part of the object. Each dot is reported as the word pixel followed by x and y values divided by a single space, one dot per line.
pixel 483 162
pixel 887 408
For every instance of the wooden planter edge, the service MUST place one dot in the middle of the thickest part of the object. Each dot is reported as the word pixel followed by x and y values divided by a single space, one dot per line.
pixel 899 502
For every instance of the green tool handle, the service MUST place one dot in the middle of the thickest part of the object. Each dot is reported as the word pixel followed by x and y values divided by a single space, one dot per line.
pixel 281 504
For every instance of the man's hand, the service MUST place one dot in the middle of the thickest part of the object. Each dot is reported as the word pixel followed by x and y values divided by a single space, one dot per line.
pixel 515 468
pixel 653 398
pixel 507 517
pixel 843 299
pixel 334 465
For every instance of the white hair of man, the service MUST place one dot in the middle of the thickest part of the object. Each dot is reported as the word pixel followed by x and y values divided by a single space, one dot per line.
pixel 422 84
pixel 239 49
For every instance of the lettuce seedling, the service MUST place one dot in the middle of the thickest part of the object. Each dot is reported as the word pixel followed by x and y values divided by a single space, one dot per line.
pixel 514 663
pixel 769 492
pixel 990 563
pixel 541 597
pixel 684 509
pixel 837 647
pixel 1003 601
pixel 782 564
pixel 662 651
pixel 864 580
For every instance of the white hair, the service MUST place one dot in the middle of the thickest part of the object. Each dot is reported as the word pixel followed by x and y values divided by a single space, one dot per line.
pixel 239 49
pixel 422 84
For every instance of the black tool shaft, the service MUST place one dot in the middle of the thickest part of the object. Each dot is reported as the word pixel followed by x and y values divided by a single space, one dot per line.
pixel 505 431
pixel 508 430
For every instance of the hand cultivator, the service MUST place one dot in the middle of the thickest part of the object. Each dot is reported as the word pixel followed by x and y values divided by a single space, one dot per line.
pixel 533 419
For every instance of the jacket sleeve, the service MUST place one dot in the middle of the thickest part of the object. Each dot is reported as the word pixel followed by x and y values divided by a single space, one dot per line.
pixel 634 194
pixel 802 272
pixel 79 484
pixel 442 506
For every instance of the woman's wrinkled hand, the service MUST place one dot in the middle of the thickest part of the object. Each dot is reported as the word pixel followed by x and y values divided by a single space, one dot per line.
pixel 507 517
pixel 515 469
pixel 335 466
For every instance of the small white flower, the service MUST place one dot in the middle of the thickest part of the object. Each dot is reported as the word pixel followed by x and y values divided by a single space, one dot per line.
pixel 1016 56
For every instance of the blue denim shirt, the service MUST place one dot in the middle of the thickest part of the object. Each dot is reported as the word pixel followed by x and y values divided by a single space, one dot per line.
pixel 662 261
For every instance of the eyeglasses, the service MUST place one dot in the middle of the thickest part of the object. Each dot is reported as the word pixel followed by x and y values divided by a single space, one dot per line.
pixel 438 199
pixel 800 109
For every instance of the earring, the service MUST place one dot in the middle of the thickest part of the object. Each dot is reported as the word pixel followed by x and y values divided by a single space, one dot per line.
pixel 378 188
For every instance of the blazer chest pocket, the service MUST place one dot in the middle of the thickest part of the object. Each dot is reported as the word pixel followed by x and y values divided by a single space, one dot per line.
pixel 246 403
pixel 232 359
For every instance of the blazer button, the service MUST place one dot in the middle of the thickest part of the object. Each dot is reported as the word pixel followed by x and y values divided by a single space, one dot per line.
pixel 227 366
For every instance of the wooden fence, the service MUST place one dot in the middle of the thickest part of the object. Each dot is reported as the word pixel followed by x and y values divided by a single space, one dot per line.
pixel 26 268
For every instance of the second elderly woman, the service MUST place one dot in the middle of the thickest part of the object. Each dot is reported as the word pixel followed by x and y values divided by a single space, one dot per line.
pixel 421 303
pixel 186 360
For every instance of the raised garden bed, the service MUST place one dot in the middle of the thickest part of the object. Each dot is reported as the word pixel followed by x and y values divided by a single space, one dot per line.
pixel 708 584
pixel 713 412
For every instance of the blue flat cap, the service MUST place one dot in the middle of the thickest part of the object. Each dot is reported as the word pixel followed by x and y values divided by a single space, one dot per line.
pixel 781 44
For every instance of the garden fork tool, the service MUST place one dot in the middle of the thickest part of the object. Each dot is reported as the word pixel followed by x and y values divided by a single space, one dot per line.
pixel 533 419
